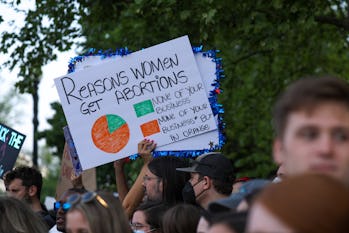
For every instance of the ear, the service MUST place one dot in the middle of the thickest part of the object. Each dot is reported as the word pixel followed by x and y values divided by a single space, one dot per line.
pixel 207 182
pixel 32 190
pixel 161 186
pixel 277 151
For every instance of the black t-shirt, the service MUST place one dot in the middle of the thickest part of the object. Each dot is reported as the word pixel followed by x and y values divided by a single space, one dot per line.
pixel 46 217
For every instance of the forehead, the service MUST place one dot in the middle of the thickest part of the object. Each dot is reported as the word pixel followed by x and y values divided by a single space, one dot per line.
pixel 326 115
pixel 16 183
pixel 139 217
pixel 148 172
pixel 76 218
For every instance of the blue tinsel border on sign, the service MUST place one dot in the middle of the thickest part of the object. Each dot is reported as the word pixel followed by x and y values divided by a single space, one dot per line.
pixel 217 108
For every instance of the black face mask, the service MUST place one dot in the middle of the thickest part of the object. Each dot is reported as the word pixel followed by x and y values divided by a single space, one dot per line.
pixel 188 193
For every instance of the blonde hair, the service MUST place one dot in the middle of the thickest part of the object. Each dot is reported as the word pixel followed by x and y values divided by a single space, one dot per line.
pixel 17 217
pixel 104 213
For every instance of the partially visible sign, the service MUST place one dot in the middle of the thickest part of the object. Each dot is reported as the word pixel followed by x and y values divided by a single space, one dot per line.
pixel 11 142
pixel 65 179
pixel 74 158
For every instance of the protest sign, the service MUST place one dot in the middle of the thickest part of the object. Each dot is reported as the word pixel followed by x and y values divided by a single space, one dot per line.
pixel 155 93
pixel 74 157
pixel 209 67
pixel 11 142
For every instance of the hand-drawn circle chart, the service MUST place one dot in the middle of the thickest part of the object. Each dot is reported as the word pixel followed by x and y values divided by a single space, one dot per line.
pixel 110 133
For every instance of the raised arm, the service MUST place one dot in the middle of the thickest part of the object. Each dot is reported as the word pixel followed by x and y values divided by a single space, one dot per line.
pixel 135 195
pixel 120 177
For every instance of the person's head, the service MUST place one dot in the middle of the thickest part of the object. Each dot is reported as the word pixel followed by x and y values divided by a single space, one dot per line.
pixel 229 222
pixel 148 216
pixel 181 218
pixel 17 217
pixel 163 182
pixel 23 183
pixel 280 174
pixel 204 222
pixel 211 178
pixel 61 207
pixel 241 200
pixel 238 182
pixel 311 122
pixel 302 203
pixel 93 212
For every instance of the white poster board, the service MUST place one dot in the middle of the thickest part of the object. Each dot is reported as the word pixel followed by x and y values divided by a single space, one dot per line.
pixel 207 69
pixel 155 93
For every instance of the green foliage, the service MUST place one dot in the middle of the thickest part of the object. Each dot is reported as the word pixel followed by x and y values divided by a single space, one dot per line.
pixel 8 99
pixel 55 136
pixel 49 186
pixel 38 41
pixel 106 174
pixel 50 174
pixel 264 45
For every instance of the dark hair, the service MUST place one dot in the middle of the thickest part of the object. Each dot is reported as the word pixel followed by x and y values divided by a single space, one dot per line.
pixel 307 94
pixel 181 218
pixel 206 215
pixel 153 211
pixel 222 186
pixel 235 221
pixel 173 180
pixel 29 176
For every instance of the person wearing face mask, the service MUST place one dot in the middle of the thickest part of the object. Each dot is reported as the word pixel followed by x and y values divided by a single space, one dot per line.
pixel 158 179
pixel 148 217
pixel 211 178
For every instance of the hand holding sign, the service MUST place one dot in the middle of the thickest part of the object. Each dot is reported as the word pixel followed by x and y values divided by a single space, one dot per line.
pixel 156 93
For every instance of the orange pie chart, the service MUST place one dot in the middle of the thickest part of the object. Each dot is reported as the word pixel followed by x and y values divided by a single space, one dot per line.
pixel 110 133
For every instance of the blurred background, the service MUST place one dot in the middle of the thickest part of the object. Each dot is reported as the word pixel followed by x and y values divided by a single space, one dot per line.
pixel 264 46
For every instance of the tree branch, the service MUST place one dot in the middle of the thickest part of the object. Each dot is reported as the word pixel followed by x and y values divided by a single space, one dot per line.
pixel 250 55
pixel 340 23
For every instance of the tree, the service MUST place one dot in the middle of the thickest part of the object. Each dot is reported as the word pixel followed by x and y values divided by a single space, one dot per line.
pixel 35 44
pixel 55 137
pixel 8 115
pixel 264 46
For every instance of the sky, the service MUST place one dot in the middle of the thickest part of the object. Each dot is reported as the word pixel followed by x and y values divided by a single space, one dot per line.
pixel 47 90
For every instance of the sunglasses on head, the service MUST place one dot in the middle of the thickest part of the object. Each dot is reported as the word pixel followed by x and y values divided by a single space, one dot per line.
pixel 85 198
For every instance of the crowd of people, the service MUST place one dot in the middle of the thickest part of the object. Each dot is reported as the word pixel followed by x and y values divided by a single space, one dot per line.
pixel 176 195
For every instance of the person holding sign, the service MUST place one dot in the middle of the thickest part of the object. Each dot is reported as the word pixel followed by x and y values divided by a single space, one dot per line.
pixel 163 182
pixel 133 197
pixel 157 181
